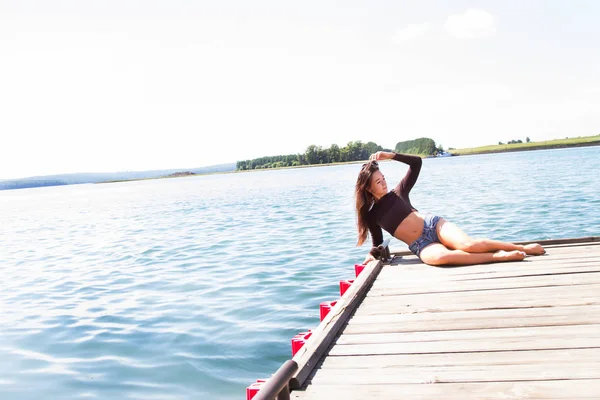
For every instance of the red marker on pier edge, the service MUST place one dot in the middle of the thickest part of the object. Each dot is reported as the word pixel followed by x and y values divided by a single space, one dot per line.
pixel 345 285
pixel 325 307
pixel 358 268
pixel 254 388
pixel 299 340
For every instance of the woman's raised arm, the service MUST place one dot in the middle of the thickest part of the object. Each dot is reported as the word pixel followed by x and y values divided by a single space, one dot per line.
pixel 409 180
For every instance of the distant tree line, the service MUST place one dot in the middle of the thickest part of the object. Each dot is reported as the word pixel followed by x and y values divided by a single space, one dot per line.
pixel 353 151
pixel 527 140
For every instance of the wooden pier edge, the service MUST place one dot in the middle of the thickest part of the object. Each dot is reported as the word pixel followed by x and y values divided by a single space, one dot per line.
pixel 310 354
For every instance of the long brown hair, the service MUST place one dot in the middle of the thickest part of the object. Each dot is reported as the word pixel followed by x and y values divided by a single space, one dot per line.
pixel 364 199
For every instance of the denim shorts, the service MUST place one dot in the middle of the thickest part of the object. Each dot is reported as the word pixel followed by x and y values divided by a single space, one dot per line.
pixel 428 236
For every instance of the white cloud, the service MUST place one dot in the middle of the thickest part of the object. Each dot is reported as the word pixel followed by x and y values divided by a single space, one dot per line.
pixel 472 24
pixel 411 32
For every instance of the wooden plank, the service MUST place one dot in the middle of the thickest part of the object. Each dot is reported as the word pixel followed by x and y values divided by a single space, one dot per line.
pixel 491 270
pixel 582 247
pixel 388 288
pixel 478 319
pixel 308 356
pixel 562 241
pixel 357 337
pixel 400 276
pixel 480 301
pixel 521 333
pixel 389 306
pixel 572 357
pixel 451 346
pixel 537 389
pixel 572 242
pixel 403 279
pixel 550 269
pixel 571 245
pixel 441 322
pixel 456 374
pixel 564 290
pixel 566 257
pixel 567 290
pixel 397 274
pixel 481 287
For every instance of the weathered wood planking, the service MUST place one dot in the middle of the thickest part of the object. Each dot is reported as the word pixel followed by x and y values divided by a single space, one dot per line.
pixel 476 319
pixel 457 374
pixel 388 288
pixel 560 296
pixel 557 389
pixel 537 332
pixel 387 346
pixel 526 329
pixel 530 357
pixel 507 294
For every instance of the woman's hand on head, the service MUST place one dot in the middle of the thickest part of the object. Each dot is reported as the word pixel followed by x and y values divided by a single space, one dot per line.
pixel 381 155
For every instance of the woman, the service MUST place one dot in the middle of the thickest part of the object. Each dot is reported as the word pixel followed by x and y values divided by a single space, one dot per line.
pixel 434 240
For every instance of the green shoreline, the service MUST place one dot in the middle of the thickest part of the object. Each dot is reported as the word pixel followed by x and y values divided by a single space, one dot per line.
pixel 549 144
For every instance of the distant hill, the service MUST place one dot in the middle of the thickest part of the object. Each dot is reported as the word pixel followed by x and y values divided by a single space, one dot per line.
pixel 79 178
pixel 424 146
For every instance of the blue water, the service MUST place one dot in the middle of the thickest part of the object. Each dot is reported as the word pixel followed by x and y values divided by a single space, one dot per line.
pixel 191 288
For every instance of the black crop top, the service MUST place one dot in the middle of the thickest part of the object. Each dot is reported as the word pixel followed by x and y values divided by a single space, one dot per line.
pixel 390 210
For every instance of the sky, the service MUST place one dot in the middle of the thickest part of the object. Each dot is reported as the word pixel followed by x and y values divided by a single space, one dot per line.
pixel 123 85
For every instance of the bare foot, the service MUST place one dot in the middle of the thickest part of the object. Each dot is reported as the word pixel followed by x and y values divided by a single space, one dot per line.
pixel 534 249
pixel 514 255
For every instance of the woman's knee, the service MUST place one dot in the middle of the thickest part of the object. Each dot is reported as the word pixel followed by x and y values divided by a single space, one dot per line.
pixel 470 245
pixel 435 254
pixel 436 258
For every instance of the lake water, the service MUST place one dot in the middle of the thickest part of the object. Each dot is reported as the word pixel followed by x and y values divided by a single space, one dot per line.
pixel 191 288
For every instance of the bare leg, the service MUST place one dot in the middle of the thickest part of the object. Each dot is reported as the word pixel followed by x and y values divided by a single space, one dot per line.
pixel 454 238
pixel 438 254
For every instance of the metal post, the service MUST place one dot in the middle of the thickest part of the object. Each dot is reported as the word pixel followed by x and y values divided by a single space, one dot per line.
pixel 277 386
pixel 284 394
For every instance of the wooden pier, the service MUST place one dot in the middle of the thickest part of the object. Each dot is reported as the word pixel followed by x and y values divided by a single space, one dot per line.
pixel 517 330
